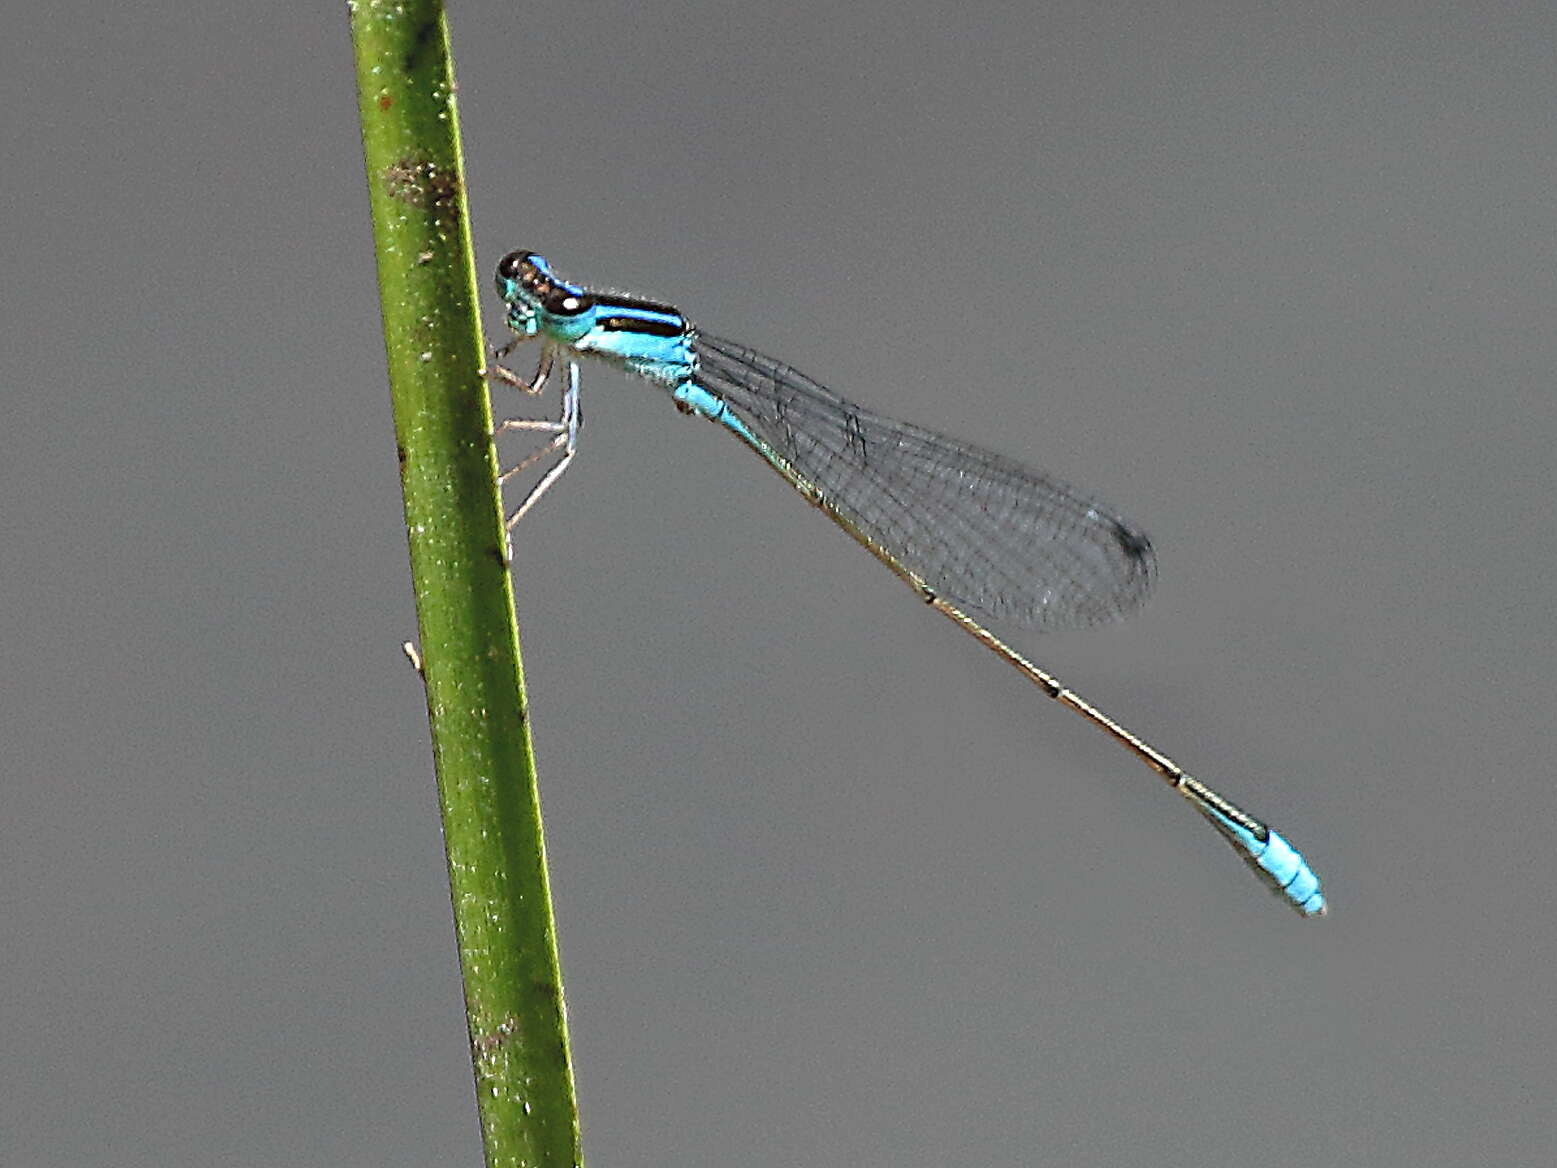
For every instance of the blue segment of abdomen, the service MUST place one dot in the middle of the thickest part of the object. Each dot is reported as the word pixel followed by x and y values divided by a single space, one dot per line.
pixel 693 398
pixel 1273 860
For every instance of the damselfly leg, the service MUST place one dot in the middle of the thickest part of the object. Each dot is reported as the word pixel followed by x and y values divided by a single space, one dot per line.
pixel 563 430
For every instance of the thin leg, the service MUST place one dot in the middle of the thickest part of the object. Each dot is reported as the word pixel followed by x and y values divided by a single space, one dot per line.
pixel 536 383
pixel 557 428
pixel 558 440
pixel 565 432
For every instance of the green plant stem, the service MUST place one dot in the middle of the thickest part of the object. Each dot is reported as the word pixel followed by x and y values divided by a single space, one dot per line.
pixel 469 642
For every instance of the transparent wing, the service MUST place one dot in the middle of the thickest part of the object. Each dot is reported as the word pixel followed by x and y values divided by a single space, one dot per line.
pixel 982 530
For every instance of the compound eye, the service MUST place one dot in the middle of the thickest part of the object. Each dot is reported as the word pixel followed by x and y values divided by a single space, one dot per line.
pixel 514 263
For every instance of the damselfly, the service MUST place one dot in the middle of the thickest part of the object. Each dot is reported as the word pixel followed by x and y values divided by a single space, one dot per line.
pixel 970 531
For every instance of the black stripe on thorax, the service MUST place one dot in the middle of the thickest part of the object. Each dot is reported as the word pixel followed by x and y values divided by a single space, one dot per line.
pixel 627 314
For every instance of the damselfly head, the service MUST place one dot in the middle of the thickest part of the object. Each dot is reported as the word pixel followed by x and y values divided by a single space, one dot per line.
pixel 525 277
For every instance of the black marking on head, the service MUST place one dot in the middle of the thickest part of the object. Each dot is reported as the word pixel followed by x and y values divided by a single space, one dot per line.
pixel 554 296
pixel 559 300
pixel 509 267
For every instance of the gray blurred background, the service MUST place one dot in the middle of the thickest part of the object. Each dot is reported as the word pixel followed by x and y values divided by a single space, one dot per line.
pixel 834 886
